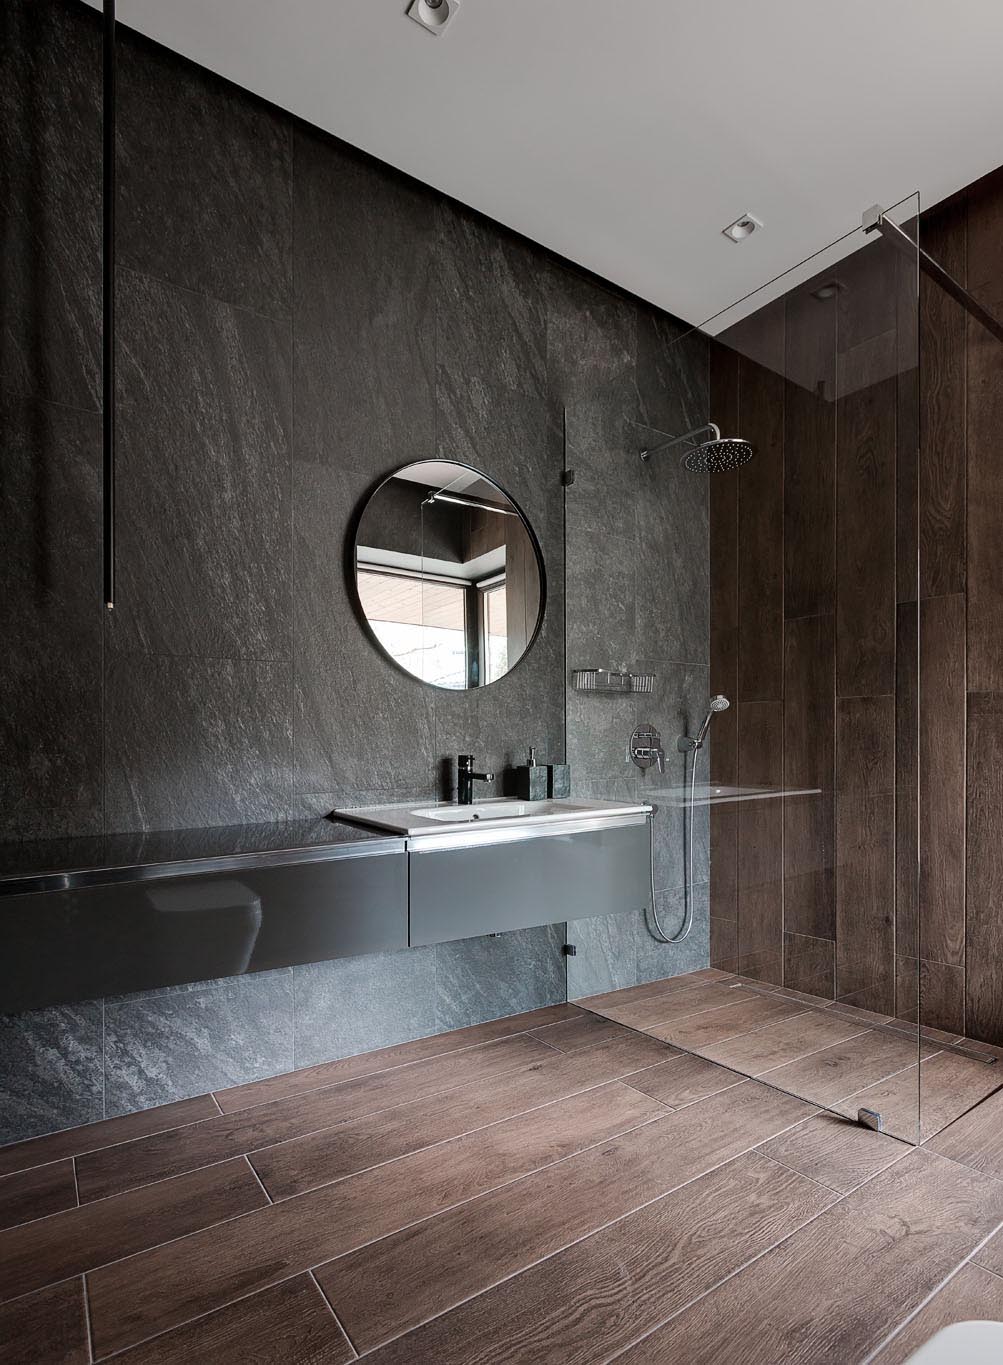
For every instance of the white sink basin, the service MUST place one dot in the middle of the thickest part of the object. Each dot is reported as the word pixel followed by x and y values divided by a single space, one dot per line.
pixel 497 811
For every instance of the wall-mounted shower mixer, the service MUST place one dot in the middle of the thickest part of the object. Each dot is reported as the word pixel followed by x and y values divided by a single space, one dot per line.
pixel 645 748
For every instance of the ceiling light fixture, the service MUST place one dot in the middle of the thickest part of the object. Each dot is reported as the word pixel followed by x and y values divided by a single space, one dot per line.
pixel 433 15
pixel 741 228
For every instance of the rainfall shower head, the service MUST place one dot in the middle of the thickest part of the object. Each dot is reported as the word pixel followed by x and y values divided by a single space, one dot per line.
pixel 715 456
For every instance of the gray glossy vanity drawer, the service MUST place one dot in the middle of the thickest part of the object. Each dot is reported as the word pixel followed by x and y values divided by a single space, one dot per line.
pixel 61 946
pixel 493 887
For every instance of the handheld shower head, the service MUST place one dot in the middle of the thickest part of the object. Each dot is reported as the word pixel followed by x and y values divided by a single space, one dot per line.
pixel 718 703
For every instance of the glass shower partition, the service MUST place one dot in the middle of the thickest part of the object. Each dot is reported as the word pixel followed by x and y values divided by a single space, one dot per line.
pixel 787 584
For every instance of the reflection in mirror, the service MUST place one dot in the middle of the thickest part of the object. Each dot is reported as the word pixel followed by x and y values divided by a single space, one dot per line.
pixel 449 574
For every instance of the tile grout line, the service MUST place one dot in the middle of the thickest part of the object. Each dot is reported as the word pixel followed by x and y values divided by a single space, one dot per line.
pixel 365 1114
pixel 257 1178
pixel 330 1309
pixel 310 1269
pixel 799 1058
pixel 87 1317
pixel 648 1203
pixel 447 1052
pixel 968 1260
pixel 233 1113
pixel 655 1118
pixel 841 1198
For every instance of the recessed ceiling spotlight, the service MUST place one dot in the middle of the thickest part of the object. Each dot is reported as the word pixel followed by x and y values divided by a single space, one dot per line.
pixel 433 15
pixel 741 228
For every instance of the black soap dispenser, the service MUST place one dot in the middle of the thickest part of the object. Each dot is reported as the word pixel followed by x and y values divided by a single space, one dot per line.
pixel 531 780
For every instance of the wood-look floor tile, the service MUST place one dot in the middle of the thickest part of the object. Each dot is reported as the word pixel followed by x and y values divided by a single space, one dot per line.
pixel 702 1030
pixel 37 1192
pixel 289 1324
pixel 835 1152
pixel 628 994
pixel 832 1073
pixel 390 1287
pixel 667 1006
pixel 46 1328
pixel 777 1044
pixel 387 1058
pixel 585 1031
pixel 930 1096
pixel 976 1139
pixel 18 1156
pixel 592 1299
pixel 973 1294
pixel 683 1080
pixel 990 1257
pixel 169 1285
pixel 830 1294
pixel 247 1130
pixel 292 1167
pixel 36 1254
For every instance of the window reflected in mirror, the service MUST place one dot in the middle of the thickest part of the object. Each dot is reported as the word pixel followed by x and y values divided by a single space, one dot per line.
pixel 449 575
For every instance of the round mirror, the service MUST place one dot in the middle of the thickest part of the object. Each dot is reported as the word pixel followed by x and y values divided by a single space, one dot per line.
pixel 449 574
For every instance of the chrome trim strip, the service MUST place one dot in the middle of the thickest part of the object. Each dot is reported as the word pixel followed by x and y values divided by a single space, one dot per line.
pixel 30 883
pixel 503 833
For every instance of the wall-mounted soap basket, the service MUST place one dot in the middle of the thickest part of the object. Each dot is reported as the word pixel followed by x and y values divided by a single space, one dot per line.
pixel 611 680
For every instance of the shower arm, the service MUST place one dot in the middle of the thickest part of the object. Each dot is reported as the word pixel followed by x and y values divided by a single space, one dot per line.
pixel 647 453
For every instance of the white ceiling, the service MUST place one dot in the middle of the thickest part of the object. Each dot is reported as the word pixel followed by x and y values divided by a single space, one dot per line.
pixel 624 134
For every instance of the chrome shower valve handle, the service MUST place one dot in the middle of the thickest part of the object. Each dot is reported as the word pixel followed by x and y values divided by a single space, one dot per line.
pixel 645 748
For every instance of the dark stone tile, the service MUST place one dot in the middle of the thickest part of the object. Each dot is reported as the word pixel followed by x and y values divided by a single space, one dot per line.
pixel 364 251
pixel 205 181
pixel 673 373
pixel 599 727
pixel 169 1046
pixel 606 959
pixel 656 960
pixel 491 306
pixel 190 987
pixel 192 742
pixel 591 340
pixel 50 151
pixel 499 723
pixel 601 541
pixel 51 1073
pixel 486 978
pixel 51 620
pixel 203 472
pixel 359 1003
pixel 360 723
pixel 514 439
pixel 673 562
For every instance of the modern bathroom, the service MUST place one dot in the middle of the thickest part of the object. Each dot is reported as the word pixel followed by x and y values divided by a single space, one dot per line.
pixel 502 730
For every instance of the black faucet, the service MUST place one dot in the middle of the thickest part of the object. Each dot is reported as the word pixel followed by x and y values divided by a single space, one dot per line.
pixel 466 777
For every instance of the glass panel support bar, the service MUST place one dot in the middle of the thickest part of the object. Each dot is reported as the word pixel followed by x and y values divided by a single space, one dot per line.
pixel 875 220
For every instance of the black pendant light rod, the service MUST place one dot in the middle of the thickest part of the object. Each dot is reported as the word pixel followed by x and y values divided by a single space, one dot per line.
pixel 108 300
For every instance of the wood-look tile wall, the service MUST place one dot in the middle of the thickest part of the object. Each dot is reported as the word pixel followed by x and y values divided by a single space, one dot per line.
pixel 889 682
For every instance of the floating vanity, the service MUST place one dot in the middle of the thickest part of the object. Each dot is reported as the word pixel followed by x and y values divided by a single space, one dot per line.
pixel 90 918
pixel 498 865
